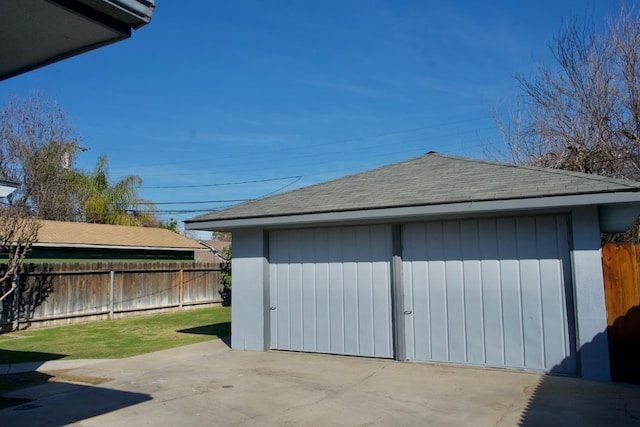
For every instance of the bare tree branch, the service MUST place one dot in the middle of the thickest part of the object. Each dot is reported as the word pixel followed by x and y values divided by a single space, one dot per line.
pixel 18 232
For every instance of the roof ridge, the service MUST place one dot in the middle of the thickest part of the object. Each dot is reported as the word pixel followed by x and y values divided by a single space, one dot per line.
pixel 600 178
pixel 431 178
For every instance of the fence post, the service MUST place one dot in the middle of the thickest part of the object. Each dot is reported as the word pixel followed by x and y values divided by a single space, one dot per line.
pixel 180 288
pixel 16 299
pixel 111 293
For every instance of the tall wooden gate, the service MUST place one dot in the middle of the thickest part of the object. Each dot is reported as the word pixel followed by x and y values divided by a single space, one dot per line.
pixel 621 265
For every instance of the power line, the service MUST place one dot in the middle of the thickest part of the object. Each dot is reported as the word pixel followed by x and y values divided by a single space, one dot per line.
pixel 297 177
pixel 194 202
pixel 281 188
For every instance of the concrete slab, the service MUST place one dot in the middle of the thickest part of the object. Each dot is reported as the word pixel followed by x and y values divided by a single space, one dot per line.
pixel 209 384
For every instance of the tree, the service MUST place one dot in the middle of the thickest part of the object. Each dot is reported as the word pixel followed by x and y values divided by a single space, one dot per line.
pixel 171 225
pixel 224 236
pixel 37 145
pixel 106 203
pixel 582 111
pixel 18 232
pixel 225 280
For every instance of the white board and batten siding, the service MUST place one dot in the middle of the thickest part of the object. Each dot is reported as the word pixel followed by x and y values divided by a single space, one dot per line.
pixel 490 292
pixel 330 290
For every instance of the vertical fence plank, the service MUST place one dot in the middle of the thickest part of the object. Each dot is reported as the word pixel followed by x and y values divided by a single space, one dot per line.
pixel 64 293
pixel 621 267
pixel 112 278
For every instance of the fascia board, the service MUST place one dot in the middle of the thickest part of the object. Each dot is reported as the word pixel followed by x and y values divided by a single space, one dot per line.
pixel 402 213
pixel 87 246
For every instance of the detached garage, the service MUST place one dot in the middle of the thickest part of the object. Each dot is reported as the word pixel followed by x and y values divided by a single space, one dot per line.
pixel 437 259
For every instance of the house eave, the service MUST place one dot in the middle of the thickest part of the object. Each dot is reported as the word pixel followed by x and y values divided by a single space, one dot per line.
pixel 630 200
pixel 89 246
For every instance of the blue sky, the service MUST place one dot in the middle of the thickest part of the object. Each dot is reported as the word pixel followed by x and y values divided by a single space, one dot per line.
pixel 293 93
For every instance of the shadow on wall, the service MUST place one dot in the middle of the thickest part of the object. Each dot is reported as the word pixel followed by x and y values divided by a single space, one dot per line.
pixel 560 401
pixel 34 290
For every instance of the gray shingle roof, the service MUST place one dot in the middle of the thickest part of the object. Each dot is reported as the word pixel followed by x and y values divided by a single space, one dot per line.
pixel 430 179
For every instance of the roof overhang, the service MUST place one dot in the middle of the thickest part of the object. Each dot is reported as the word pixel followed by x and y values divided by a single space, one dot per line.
pixel 617 212
pixel 7 187
pixel 142 248
pixel 35 33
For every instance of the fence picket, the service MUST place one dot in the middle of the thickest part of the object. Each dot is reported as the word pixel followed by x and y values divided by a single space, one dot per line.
pixel 71 292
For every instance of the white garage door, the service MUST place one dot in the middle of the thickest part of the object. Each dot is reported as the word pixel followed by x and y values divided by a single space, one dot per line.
pixel 492 292
pixel 330 290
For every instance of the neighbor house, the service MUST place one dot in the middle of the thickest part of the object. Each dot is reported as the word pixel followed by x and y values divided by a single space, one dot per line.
pixel 438 259
pixel 81 242
pixel 216 251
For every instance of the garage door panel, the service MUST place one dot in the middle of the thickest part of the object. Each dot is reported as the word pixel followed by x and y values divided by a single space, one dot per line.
pixel 454 292
pixel 322 323
pixel 455 311
pixel 337 282
pixel 531 314
pixel 510 286
pixel 492 311
pixel 437 303
pixel 527 243
pixel 473 308
pixel 336 301
pixel 474 315
pixel 493 293
pixel 296 321
pixel 308 293
pixel 364 291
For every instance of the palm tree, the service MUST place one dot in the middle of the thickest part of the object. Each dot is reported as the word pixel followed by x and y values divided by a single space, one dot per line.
pixel 106 203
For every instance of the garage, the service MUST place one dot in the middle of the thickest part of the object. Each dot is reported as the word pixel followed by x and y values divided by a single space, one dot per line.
pixel 331 290
pixel 489 292
pixel 437 259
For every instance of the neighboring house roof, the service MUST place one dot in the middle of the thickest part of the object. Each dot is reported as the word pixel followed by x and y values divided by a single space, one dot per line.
pixel 429 180
pixel 216 248
pixel 40 32
pixel 7 187
pixel 77 234
pixel 217 245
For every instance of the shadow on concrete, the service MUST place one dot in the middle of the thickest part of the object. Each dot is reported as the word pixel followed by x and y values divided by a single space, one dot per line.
pixel 226 341
pixel 15 356
pixel 60 403
pixel 570 401
pixel 216 329
pixel 624 347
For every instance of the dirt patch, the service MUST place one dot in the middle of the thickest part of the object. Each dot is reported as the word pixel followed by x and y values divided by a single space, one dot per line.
pixel 66 375
pixel 12 382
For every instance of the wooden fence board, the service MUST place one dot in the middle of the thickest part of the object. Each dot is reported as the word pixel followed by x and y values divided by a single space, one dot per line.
pixel 621 267
pixel 74 291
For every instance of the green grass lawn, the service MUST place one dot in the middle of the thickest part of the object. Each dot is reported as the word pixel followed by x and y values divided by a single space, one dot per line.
pixel 112 339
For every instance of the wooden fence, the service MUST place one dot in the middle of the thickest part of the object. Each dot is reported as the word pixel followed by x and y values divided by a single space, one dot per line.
pixel 54 294
pixel 621 266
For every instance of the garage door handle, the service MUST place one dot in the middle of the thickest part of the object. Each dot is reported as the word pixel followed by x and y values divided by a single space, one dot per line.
pixel 408 312
pixel 272 308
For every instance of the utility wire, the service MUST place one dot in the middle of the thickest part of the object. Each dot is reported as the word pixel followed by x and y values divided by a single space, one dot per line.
pixel 194 202
pixel 226 183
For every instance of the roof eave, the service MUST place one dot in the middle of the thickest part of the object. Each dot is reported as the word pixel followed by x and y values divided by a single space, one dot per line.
pixel 94 246
pixel 406 213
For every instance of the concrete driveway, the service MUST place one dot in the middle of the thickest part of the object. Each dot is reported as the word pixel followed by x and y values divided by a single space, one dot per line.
pixel 209 384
